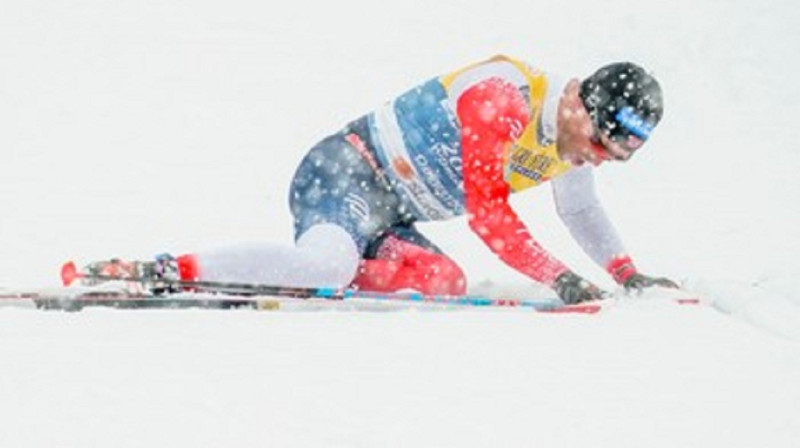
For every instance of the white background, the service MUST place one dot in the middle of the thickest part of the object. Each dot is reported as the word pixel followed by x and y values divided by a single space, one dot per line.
pixel 130 128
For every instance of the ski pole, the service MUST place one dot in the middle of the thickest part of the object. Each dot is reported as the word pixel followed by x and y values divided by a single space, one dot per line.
pixel 69 274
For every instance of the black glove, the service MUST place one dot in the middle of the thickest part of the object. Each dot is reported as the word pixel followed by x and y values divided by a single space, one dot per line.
pixel 639 281
pixel 572 289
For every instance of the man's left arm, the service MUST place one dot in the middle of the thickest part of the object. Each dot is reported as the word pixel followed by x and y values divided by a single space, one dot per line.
pixel 580 209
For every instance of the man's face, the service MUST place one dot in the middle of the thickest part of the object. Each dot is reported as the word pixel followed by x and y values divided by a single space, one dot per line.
pixel 606 148
pixel 579 140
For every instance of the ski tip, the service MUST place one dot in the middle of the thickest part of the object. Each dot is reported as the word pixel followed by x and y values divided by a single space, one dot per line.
pixel 68 273
pixel 581 308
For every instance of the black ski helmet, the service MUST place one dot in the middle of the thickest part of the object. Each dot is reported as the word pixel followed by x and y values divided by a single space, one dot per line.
pixel 624 102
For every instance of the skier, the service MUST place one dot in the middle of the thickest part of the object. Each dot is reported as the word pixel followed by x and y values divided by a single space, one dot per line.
pixel 456 145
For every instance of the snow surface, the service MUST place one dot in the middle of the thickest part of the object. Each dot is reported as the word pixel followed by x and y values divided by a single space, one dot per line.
pixel 133 128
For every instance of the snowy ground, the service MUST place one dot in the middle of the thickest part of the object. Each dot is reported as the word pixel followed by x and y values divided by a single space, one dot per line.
pixel 133 128
pixel 675 377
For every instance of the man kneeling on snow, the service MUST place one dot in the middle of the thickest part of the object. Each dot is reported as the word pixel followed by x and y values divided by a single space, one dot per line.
pixel 458 144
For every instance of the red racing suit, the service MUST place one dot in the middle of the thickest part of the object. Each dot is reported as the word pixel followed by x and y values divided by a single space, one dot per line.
pixel 462 143
pixel 456 145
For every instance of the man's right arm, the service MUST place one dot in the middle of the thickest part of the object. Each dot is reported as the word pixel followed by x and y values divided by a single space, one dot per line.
pixel 492 114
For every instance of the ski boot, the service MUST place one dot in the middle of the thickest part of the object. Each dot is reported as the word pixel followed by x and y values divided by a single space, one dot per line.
pixel 156 277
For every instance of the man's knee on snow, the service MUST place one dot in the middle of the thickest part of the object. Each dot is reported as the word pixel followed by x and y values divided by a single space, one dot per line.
pixel 333 256
pixel 403 265
pixel 444 276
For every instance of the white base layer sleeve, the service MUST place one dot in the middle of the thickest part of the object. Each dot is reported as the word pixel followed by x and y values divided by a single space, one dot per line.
pixel 324 256
pixel 580 209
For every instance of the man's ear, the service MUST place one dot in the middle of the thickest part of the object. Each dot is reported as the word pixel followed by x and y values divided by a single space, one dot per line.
pixel 571 111
pixel 570 103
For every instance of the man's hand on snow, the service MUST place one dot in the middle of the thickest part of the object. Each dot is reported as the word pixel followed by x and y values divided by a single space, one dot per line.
pixel 625 274
pixel 637 282
pixel 572 288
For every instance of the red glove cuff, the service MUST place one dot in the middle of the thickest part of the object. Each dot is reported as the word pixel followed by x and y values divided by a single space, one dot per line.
pixel 621 268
